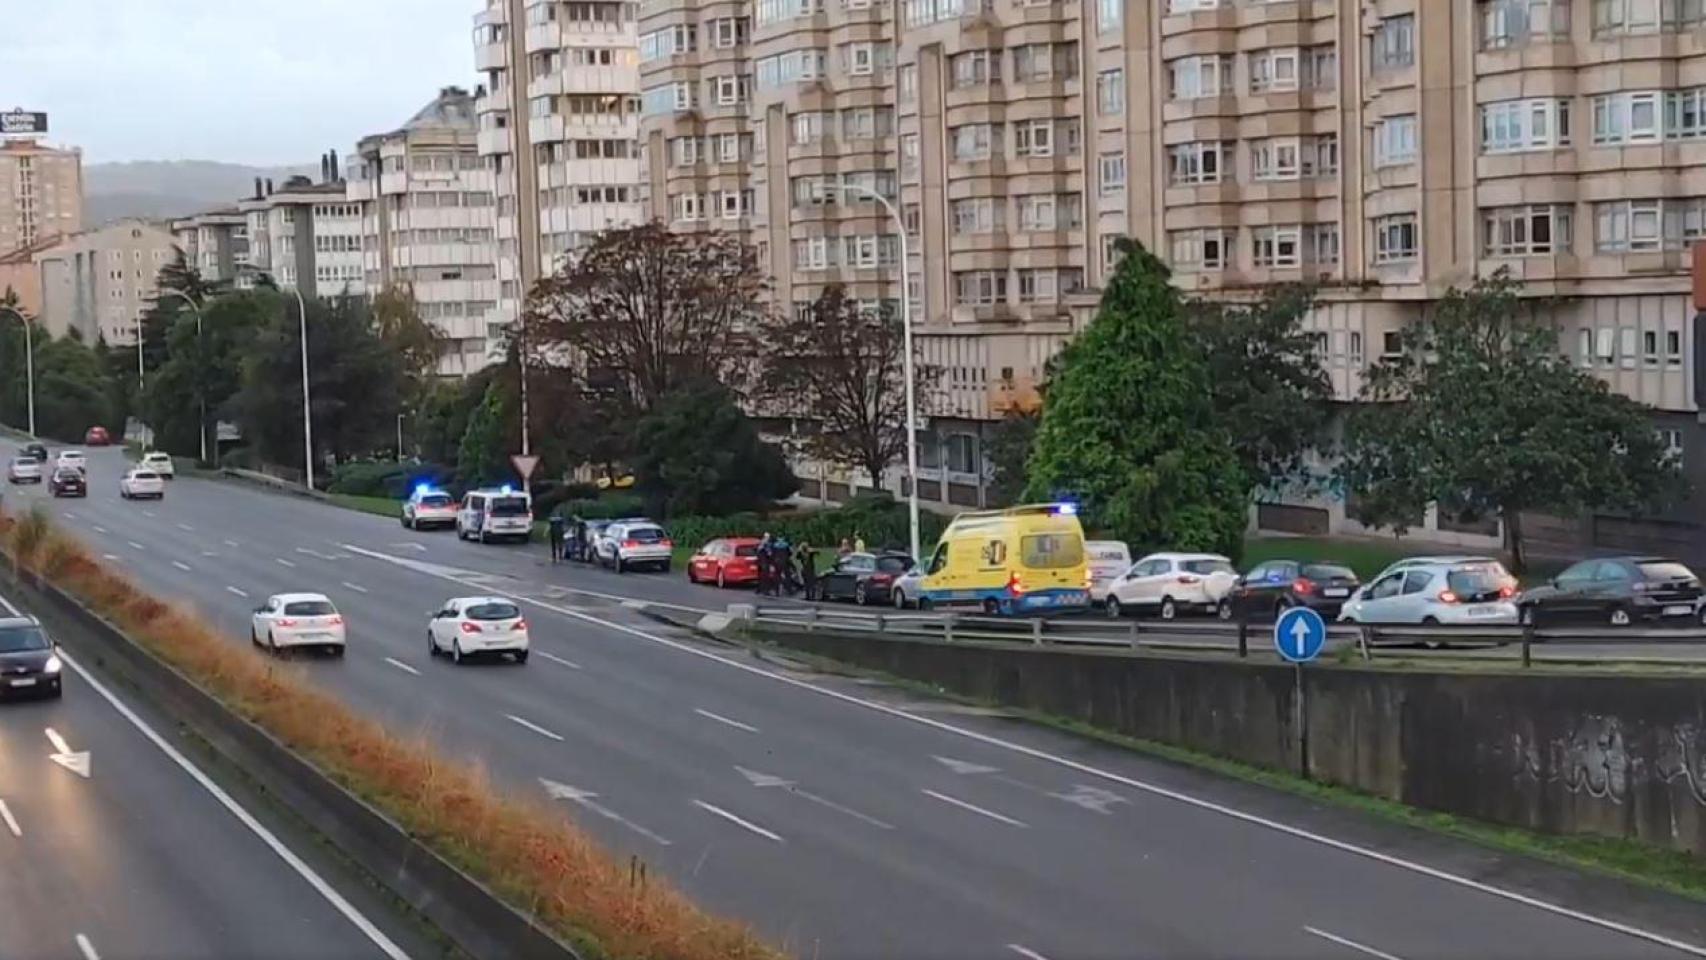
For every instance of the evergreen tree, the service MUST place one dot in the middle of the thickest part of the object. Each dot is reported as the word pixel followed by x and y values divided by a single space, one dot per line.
pixel 697 453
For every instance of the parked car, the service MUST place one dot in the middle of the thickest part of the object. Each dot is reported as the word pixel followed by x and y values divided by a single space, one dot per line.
pixel 289 620
pixel 1005 562
pixel 1272 587
pixel 142 483
pixel 468 626
pixel 907 588
pixel 487 515
pixel 23 470
pixel 1614 590
pixel 730 561
pixel 427 507
pixel 628 544
pixel 1424 561
pixel 1108 559
pixel 864 578
pixel 160 462
pixel 1453 592
pixel 67 482
pixel 96 437
pixel 1172 583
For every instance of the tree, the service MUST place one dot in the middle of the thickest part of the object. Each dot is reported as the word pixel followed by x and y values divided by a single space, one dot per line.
pixel 698 453
pixel 1266 382
pixel 843 367
pixel 482 457
pixel 1480 414
pixel 1009 449
pixel 397 318
pixel 1129 429
pixel 14 399
pixel 203 370
pixel 71 393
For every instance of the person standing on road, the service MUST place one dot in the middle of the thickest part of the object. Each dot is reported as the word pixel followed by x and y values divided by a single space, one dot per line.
pixel 555 528
pixel 808 569
pixel 766 567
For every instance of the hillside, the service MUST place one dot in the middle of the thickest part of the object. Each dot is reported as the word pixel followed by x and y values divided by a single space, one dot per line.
pixel 170 188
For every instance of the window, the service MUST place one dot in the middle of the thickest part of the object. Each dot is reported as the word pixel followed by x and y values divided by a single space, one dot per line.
pixel 1629 226
pixel 1273 70
pixel 1622 17
pixel 1111 252
pixel 1685 114
pixel 735 203
pixel 912 217
pixel 975 288
pixel 975 68
pixel 906 82
pixel 1321 243
pixel 1673 348
pixel 731 90
pixel 671 40
pixel 864 123
pixel 1320 67
pixel 1047 211
pixel 1525 231
pixel 1512 126
pixel 727 32
pixel 1191 77
pixel 1393 44
pixel 1626 118
pixel 1355 349
pixel 688 206
pixel 795 66
pixel 1109 15
pixel 1110 178
pixel 1510 23
pixel 976 215
pixel 866 59
pixel 814 253
pixel 1208 161
pixel 1197 250
pixel 1033 138
pixel 1395 141
pixel 1396 238
pixel 1277 246
pixel 809 126
pixel 1045 61
pixel 909 151
pixel 1110 92
pixel 667 98
pixel 772 11
pixel 1038 286
pixel 973 141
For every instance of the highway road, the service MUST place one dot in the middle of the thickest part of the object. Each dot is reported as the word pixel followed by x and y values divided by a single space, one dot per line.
pixel 846 819
pixel 114 843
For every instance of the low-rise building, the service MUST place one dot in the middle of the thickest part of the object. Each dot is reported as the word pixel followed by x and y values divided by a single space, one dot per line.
pixel 100 282
pixel 216 243
pixel 307 235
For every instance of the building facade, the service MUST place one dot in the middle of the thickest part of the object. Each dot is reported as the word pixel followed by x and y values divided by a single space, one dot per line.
pixel 41 192
pixel 307 235
pixel 559 113
pixel 100 282
pixel 428 219
pixel 215 243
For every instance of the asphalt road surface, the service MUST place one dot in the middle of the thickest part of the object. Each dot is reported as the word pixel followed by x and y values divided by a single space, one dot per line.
pixel 114 843
pixel 847 819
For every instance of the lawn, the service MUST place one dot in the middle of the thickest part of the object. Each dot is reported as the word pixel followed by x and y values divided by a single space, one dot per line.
pixel 381 506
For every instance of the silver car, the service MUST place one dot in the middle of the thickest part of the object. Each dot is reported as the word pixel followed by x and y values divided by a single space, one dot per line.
pixel 24 470
pixel 1436 592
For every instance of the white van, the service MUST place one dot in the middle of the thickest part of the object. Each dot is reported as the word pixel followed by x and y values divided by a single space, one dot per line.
pixel 1108 560
pixel 488 515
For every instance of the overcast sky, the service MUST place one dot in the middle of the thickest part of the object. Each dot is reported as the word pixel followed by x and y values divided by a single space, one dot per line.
pixel 234 80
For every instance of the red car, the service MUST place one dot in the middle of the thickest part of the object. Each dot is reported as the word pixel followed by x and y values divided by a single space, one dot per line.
pixel 726 562
pixel 96 437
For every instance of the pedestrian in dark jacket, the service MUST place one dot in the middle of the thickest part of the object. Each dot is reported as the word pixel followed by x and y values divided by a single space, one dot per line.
pixel 555 529
pixel 808 570
pixel 766 567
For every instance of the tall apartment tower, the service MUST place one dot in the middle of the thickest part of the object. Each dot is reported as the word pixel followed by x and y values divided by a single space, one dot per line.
pixel 559 124
pixel 41 192
pixel 428 218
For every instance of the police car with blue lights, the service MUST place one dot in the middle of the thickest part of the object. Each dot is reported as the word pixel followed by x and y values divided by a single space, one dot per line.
pixel 427 507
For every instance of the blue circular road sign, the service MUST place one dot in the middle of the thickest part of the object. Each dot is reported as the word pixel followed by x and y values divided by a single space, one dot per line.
pixel 1299 634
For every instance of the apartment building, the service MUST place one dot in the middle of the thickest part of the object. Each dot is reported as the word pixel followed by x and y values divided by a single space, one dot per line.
pixel 307 235
pixel 559 115
pixel 20 278
pixel 100 282
pixel 215 243
pixel 41 191
pixel 428 216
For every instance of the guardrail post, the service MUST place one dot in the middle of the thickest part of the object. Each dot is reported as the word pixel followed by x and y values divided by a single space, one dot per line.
pixel 879 623
pixel 1527 641
pixel 948 627
pixel 1363 645
pixel 1243 632
pixel 1037 631
pixel 1131 633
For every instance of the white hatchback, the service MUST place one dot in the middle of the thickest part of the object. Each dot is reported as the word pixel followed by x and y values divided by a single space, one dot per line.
pixel 1427 593
pixel 161 463
pixel 470 626
pixel 24 470
pixel 72 458
pixel 142 483
pixel 291 620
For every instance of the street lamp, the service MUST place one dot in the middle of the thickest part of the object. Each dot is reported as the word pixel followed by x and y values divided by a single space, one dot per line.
pixel 906 336
pixel 400 417
pixel 307 410
pixel 29 363
pixel 200 392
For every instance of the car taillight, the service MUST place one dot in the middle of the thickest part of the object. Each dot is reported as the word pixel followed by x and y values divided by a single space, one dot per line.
pixel 518 625
pixel 287 622
pixel 1303 585
pixel 881 577
pixel 470 627
pixel 667 543
pixel 335 620
pixel 1446 596
pixel 1188 579
pixel 1506 592
pixel 630 544
pixel 1015 586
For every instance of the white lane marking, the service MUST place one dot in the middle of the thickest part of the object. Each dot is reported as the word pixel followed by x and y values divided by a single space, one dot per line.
pixel 73 760
pixel 284 853
pixel 11 821
pixel 721 719
pixel 236 591
pixel 180 565
pixel 974 808
pixel 587 799
pixel 186 528
pixel 231 543
pixel 110 556
pixel 1351 944
pixel 312 553
pixel 136 546
pixel 59 744
pixel 283 562
pixel 149 513
pixel 87 948
pixel 1153 789
pixel 719 811
pixel 556 659
pixel 763 780
pixel 209 553
pixel 70 516
pixel 1025 952
pixel 400 665
pixel 99 530
pixel 536 728
pixel 358 588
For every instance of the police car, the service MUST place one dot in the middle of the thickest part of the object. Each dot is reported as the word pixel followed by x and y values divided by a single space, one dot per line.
pixel 428 507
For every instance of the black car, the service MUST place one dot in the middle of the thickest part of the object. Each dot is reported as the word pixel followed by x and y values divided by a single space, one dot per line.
pixel 1271 587
pixel 68 482
pixel 29 663
pixel 864 577
pixel 36 451
pixel 1616 591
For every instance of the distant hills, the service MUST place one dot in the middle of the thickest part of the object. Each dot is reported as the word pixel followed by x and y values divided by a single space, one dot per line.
pixel 159 189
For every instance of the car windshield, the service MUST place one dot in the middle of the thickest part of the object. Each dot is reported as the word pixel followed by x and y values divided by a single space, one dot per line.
pixel 435 500
pixel 1051 551
pixel 895 564
pixel 309 608
pixel 1665 570
pixel 1206 566
pixel 747 550
pixel 22 639
pixel 645 534
pixel 1328 571
pixel 509 506
pixel 858 563
pixel 1474 581
pixel 493 611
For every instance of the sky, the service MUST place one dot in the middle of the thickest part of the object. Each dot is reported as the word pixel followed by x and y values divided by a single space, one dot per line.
pixel 269 82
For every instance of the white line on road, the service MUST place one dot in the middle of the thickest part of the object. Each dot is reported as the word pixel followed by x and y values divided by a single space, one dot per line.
pixel 719 811
pixel 110 556
pixel 1153 789
pixel 721 719
pixel 358 588
pixel 149 513
pixel 59 744
pixel 186 528
pixel 181 565
pixel 974 808
pixel 231 543
pixel 136 546
pixel 588 800
pixel 11 821
pixel 283 562
pixel 70 516
pixel 536 728
pixel 556 659
pixel 400 665
pixel 100 530
pixel 236 591
pixel 209 553
pixel 312 553
pixel 1025 952
pixel 87 948
pixel 1351 944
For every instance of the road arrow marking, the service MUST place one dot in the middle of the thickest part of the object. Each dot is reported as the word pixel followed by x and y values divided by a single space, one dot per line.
pixel 763 779
pixel 11 822
pixel 76 761
pixel 962 766
pixel 588 800
pixel 1091 798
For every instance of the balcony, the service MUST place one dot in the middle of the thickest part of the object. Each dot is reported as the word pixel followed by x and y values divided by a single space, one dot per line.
pixel 491 56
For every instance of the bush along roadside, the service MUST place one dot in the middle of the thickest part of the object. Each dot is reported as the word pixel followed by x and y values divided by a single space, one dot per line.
pixel 527 853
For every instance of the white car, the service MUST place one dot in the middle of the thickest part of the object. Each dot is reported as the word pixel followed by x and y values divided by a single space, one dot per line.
pixel 291 620
pixel 1450 592
pixel 627 544
pixel 160 463
pixel 23 470
pixel 488 515
pixel 1108 559
pixel 427 507
pixel 470 626
pixel 74 459
pixel 142 483
pixel 907 588
pixel 1172 583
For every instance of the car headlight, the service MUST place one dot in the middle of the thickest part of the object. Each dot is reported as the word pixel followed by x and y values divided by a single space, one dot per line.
pixel 54 665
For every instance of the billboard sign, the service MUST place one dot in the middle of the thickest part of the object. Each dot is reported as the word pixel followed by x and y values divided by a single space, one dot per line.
pixel 22 122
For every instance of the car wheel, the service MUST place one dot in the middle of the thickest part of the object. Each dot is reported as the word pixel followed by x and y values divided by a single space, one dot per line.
pixel 338 651
pixel 925 604
pixel 404 520
pixel 1432 644
pixel 1619 617
pixel 484 536
pixel 272 644
pixel 432 644
pixel 254 640
pixel 1223 609
pixel 1112 608
pixel 1525 615
pixel 899 599
pixel 620 566
pixel 1169 609
pixel 860 596
pixel 521 656
pixel 722 579
pixel 992 608
pixel 456 654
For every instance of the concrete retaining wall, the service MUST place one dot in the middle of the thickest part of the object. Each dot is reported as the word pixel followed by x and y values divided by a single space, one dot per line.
pixel 1619 756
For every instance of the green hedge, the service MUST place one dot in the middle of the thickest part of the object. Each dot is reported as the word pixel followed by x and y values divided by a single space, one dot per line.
pixel 880 526
pixel 388 478
pixel 609 507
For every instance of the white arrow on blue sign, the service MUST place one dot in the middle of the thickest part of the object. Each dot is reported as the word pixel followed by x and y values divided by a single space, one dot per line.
pixel 1299 634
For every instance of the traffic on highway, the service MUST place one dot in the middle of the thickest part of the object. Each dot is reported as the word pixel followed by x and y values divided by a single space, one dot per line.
pixel 842 818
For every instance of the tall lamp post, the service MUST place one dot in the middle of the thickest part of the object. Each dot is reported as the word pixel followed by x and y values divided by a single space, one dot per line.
pixel 29 363
pixel 906 335
pixel 200 391
pixel 307 409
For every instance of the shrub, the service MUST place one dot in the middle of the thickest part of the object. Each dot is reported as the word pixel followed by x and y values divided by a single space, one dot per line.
pixel 386 478
pixel 612 507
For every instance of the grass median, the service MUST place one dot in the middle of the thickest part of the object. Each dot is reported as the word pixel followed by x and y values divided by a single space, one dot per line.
pixel 525 851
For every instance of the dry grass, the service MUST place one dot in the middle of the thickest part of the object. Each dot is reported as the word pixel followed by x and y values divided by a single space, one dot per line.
pixel 526 852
